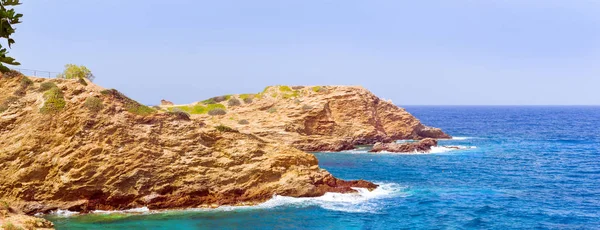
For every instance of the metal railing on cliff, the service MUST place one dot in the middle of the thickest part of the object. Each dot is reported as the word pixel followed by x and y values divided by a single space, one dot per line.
pixel 37 73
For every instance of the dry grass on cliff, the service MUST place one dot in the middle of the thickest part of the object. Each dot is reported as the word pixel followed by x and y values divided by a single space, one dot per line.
pixel 55 101
pixel 130 105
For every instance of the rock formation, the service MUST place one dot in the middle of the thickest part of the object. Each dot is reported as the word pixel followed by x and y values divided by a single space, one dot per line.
pixel 11 219
pixel 421 146
pixel 64 145
pixel 165 102
pixel 318 118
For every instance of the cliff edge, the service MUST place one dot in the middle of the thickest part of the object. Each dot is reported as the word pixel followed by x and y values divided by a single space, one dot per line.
pixel 68 144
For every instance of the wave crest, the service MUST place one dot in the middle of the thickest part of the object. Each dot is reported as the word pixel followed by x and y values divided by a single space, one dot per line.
pixel 362 201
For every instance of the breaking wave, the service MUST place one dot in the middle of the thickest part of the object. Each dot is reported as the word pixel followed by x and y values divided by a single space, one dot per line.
pixel 362 201
pixel 434 149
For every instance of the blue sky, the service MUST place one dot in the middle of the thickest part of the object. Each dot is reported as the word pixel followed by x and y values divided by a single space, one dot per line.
pixel 447 52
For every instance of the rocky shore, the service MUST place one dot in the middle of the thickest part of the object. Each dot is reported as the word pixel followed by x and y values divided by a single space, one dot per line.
pixel 80 147
pixel 11 219
pixel 421 146
pixel 70 146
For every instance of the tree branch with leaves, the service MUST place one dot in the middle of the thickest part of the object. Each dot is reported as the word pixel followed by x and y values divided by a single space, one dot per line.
pixel 8 18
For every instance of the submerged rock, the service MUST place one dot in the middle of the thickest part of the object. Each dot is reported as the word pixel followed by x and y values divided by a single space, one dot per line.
pixel 422 146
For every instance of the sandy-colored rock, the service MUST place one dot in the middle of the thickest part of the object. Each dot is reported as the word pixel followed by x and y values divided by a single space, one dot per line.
pixel 421 146
pixel 322 118
pixel 81 160
pixel 9 217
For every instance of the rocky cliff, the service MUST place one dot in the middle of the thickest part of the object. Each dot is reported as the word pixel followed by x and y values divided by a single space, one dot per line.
pixel 317 118
pixel 67 144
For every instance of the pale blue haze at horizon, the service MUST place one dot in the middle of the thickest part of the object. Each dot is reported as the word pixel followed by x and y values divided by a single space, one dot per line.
pixel 413 52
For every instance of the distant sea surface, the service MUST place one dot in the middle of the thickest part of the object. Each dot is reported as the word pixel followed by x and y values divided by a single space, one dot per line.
pixel 525 167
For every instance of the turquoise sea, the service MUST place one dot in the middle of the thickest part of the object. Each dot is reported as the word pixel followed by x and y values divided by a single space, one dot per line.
pixel 527 168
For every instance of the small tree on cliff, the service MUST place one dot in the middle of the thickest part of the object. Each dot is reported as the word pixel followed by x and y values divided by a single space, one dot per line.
pixel 76 72
pixel 8 17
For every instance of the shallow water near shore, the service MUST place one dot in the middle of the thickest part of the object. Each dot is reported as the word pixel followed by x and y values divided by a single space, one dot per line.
pixel 533 167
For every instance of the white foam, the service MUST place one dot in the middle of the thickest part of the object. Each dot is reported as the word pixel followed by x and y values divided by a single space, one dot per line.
pixel 133 210
pixel 65 213
pixel 459 138
pixel 443 149
pixel 362 201
pixel 355 151
pixel 434 149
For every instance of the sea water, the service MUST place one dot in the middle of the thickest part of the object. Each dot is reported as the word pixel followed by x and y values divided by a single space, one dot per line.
pixel 526 167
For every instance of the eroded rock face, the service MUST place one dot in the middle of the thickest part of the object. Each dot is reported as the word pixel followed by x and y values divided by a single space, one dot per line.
pixel 82 160
pixel 421 146
pixel 330 118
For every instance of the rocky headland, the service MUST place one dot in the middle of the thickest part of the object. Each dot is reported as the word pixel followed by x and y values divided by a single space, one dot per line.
pixel 72 145
pixel 314 118
pixel 75 146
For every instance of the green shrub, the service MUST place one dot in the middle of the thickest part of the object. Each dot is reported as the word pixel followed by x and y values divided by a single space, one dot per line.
pixel 293 94
pixel 221 98
pixel 82 81
pixel 307 107
pixel 222 128
pixel 4 205
pixel 129 104
pixel 216 99
pixel 46 86
pixel 10 226
pixel 198 108
pixel 6 103
pixel 76 72
pixel 217 111
pixel 12 74
pixel 180 114
pixel 272 110
pixel 94 104
pixel 247 98
pixel 140 109
pixel 209 101
pixel 243 122
pixel 20 92
pixel 233 102
pixel 26 82
pixel 247 95
pixel 316 89
pixel 55 101
pixel 266 88
pixel 285 88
